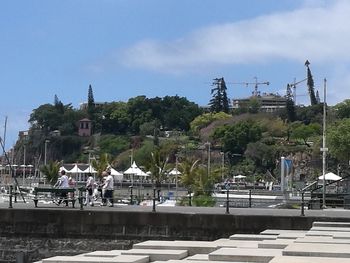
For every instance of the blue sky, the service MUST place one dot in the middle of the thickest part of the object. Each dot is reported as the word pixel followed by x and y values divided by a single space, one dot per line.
pixel 126 48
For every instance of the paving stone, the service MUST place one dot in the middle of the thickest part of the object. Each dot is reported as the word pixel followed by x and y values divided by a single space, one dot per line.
pixel 319 233
pixel 331 229
pixel 330 224
pixel 324 240
pixel 252 237
pixel 81 259
pixel 318 250
pixel 198 257
pixel 107 254
pixel 281 231
pixel 158 254
pixel 291 259
pixel 224 242
pixel 277 244
pixel 244 254
pixel 193 247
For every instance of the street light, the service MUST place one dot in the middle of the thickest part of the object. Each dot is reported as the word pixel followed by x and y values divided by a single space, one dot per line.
pixel 222 165
pixel 208 166
pixel 45 150
pixel 324 149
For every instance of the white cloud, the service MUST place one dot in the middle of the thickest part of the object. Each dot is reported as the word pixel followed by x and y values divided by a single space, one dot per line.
pixel 319 33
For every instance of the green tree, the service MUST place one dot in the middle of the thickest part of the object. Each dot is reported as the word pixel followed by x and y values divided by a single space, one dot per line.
pixel 235 138
pixel 254 105
pixel 290 107
pixel 91 104
pixel 338 137
pixel 101 163
pixel 343 109
pixel 205 119
pixel 51 171
pixel 219 101
pixel 310 84
pixel 304 132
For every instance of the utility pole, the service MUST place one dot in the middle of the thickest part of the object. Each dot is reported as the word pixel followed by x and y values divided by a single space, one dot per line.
pixel 324 149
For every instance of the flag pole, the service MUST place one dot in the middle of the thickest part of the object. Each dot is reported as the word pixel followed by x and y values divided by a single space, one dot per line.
pixel 324 149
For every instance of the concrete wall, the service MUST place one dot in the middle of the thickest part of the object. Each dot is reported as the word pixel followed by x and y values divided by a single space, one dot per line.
pixel 46 232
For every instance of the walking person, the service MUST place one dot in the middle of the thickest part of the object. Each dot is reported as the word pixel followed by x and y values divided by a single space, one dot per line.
pixel 107 190
pixel 90 187
pixel 62 183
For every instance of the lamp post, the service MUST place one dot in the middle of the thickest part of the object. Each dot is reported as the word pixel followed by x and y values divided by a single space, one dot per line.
pixel 222 165
pixel 45 151
pixel 324 149
pixel 208 165
pixel 24 163
pixel 176 172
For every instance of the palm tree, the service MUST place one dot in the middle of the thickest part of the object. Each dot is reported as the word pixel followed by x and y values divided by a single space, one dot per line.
pixel 51 171
pixel 158 167
pixel 101 164
pixel 190 173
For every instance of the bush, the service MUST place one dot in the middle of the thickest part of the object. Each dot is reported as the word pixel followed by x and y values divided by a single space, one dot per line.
pixel 204 200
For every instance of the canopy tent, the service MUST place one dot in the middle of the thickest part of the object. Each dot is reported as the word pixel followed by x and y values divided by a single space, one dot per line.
pixel 90 170
pixel 116 175
pixel 330 176
pixel 62 168
pixel 75 170
pixel 174 172
pixel 134 170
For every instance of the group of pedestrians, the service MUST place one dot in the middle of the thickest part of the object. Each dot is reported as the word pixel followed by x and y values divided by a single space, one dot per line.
pixel 94 190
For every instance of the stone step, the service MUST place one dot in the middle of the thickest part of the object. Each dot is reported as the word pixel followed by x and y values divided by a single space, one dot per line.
pixel 292 259
pixel 324 240
pixel 276 244
pixel 244 254
pixel 330 229
pixel 252 237
pixel 224 242
pixel 330 224
pixel 84 259
pixel 193 247
pixel 319 233
pixel 105 254
pixel 317 250
pixel 290 235
pixel 280 231
pixel 157 254
pixel 197 257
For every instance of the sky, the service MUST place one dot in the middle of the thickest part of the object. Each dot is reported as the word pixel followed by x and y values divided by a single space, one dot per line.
pixel 127 48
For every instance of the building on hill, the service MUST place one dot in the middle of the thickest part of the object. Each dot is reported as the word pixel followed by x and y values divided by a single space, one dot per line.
pixel 269 102
pixel 85 128
pixel 84 105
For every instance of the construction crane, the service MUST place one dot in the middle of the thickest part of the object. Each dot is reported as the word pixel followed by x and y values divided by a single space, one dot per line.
pixel 294 86
pixel 255 93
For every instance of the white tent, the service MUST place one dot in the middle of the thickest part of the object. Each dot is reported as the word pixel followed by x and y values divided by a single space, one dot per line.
pixel 239 176
pixel 174 172
pixel 330 176
pixel 75 170
pixel 62 168
pixel 135 171
pixel 90 169
pixel 116 175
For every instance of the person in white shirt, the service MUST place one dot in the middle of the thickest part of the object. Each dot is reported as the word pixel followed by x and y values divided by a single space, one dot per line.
pixel 62 183
pixel 107 189
pixel 90 186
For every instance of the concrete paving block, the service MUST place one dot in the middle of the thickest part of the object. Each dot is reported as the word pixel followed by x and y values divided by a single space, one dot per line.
pixel 290 235
pixel 244 254
pixel 330 229
pixel 198 257
pixel 106 254
pixel 277 244
pixel 193 247
pixel 157 254
pixel 319 233
pixel 281 231
pixel 330 224
pixel 291 259
pixel 318 250
pixel 223 242
pixel 341 235
pixel 324 240
pixel 252 237
pixel 84 259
